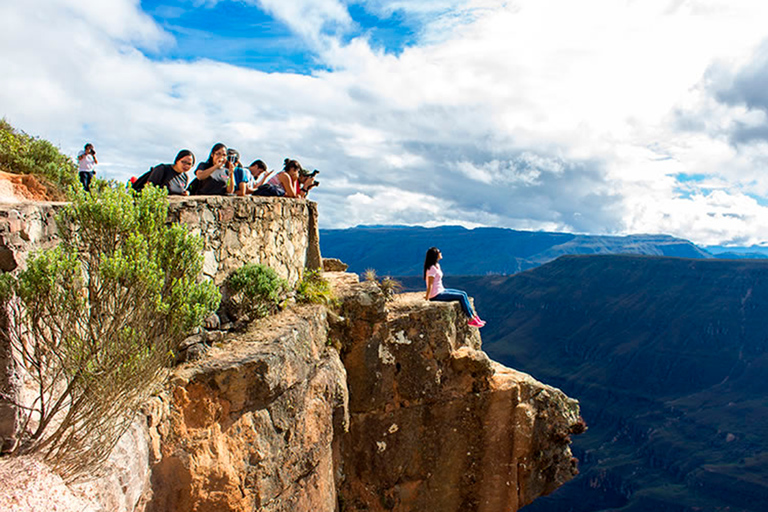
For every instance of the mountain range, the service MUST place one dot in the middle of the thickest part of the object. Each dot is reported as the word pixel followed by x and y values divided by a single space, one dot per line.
pixel 399 250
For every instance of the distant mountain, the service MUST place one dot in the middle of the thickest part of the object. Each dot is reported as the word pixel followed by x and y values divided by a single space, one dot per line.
pixel 756 252
pixel 669 359
pixel 399 250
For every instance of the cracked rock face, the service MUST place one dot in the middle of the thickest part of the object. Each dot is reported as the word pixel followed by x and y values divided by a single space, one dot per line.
pixel 434 423
pixel 251 427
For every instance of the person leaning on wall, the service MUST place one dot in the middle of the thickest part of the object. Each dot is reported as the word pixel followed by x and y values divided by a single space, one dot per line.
pixel 307 181
pixel 172 177
pixel 215 176
pixel 258 174
pixel 283 184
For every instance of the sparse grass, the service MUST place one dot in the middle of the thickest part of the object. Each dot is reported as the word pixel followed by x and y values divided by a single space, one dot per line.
pixel 388 286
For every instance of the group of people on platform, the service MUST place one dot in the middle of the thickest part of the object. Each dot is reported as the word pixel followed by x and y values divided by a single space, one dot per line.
pixel 224 174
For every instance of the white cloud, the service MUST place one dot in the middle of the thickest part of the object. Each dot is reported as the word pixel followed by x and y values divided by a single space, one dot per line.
pixel 537 114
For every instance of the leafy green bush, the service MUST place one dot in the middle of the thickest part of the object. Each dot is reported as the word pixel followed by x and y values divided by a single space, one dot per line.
pixel 314 289
pixel 257 289
pixel 96 318
pixel 23 154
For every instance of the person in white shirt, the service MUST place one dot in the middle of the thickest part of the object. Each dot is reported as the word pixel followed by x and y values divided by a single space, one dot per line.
pixel 86 163
pixel 433 275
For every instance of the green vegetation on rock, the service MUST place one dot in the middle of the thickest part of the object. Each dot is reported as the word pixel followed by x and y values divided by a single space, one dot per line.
pixel 257 290
pixel 96 318
pixel 314 289
pixel 21 153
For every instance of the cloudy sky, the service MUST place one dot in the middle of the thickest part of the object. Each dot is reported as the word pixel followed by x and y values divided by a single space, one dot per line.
pixel 596 116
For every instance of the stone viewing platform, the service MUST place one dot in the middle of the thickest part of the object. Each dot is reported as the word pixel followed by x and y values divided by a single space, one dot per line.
pixel 278 232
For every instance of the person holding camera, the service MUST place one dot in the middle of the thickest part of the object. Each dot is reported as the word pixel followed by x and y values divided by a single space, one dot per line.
pixel 215 176
pixel 307 181
pixel 86 163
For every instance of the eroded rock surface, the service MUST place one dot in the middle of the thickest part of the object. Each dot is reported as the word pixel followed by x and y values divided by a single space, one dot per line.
pixel 434 423
pixel 271 420
pixel 250 426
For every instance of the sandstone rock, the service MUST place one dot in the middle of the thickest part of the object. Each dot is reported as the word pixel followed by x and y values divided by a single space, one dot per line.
pixel 28 485
pixel 251 425
pixel 436 425
pixel 334 265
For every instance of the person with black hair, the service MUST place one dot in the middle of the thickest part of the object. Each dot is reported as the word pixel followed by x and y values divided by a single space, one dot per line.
pixel 307 181
pixel 215 176
pixel 172 177
pixel 283 184
pixel 258 171
pixel 433 275
pixel 86 163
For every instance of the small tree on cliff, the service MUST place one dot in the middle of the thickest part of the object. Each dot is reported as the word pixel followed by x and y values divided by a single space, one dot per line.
pixel 96 318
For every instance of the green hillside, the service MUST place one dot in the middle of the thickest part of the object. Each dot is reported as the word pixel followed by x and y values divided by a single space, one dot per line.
pixel 21 153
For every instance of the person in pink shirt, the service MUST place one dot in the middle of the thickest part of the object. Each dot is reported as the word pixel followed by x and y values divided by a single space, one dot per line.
pixel 433 275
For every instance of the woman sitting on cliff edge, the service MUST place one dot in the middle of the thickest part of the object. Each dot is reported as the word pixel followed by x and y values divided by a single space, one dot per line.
pixel 433 275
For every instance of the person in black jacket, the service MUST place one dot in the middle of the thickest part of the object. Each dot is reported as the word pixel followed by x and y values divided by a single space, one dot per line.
pixel 215 176
pixel 172 177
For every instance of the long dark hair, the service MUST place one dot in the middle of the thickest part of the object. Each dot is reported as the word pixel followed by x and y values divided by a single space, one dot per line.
pixel 214 149
pixel 430 259
pixel 184 153
pixel 289 164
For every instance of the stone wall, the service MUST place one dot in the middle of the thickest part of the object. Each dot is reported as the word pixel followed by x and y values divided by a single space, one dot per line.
pixel 278 232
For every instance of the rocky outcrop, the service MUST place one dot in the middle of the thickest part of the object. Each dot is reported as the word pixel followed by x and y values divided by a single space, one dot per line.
pixel 377 406
pixel 434 423
pixel 251 425
pixel 420 419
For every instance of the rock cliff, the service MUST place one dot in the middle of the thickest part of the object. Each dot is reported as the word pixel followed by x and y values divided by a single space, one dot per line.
pixel 377 406
pixel 410 415
pixel 434 423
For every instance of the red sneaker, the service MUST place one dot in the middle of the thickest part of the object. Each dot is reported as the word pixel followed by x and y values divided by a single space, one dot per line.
pixel 475 322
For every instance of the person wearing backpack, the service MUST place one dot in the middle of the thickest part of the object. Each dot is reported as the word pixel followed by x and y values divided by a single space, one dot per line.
pixel 172 177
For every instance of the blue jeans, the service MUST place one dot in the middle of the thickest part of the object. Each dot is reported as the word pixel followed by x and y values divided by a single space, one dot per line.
pixel 450 295
pixel 85 179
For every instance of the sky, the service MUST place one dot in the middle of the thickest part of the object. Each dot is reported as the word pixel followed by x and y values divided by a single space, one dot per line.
pixel 597 116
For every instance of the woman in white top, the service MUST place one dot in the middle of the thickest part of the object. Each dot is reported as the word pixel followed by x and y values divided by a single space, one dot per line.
pixel 433 275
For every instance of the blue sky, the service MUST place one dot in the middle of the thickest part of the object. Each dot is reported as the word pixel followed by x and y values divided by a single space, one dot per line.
pixel 598 116
pixel 246 35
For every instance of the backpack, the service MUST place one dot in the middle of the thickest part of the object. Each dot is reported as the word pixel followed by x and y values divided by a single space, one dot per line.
pixel 142 180
pixel 194 187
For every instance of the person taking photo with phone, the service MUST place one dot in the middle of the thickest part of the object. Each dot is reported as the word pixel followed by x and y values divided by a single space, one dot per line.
pixel 215 176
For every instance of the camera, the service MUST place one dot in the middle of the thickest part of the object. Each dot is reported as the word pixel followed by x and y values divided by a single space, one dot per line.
pixel 232 158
